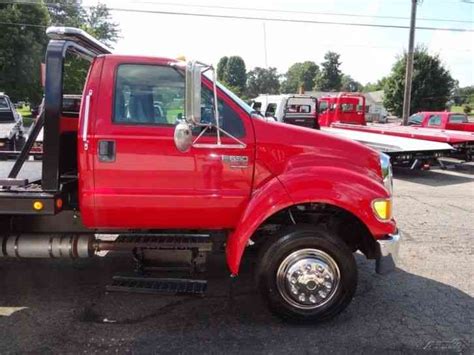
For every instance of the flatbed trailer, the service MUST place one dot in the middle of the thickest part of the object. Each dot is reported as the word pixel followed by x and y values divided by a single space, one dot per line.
pixel 404 152
pixel 462 143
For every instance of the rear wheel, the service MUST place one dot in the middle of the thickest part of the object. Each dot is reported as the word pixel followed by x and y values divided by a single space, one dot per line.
pixel 307 274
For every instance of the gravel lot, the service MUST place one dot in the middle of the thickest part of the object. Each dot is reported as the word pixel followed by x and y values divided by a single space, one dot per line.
pixel 425 306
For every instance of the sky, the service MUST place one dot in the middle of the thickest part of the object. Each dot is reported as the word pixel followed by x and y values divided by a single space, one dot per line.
pixel 367 53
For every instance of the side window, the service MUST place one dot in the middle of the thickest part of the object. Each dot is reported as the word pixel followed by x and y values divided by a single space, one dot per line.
pixel 271 109
pixel 257 106
pixel 229 120
pixel 323 106
pixel 415 119
pixel 458 119
pixel 347 107
pixel 434 120
pixel 148 95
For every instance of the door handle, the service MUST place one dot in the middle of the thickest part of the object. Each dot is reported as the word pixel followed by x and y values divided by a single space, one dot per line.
pixel 106 151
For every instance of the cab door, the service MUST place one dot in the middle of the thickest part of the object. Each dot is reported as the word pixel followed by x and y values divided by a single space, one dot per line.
pixel 140 179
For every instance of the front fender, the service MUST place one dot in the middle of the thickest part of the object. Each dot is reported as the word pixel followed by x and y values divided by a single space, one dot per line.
pixel 343 188
pixel 266 201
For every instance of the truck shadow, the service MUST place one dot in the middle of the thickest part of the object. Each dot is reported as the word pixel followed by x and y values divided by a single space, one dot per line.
pixel 433 177
pixel 396 312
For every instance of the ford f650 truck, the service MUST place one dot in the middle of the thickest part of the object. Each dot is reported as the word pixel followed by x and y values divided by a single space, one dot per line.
pixel 169 165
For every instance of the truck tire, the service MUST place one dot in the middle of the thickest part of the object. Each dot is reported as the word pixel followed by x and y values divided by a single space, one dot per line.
pixel 306 274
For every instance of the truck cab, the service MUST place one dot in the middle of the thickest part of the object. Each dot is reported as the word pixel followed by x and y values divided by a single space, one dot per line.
pixel 11 127
pixel 441 120
pixel 300 110
pixel 172 164
pixel 343 108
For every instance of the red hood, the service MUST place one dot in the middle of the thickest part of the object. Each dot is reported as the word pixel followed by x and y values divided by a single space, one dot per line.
pixel 282 147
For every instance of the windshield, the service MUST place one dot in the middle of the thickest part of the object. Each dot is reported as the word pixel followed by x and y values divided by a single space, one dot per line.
pixel 415 119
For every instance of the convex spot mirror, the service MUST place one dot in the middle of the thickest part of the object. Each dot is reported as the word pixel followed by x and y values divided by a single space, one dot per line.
pixel 183 136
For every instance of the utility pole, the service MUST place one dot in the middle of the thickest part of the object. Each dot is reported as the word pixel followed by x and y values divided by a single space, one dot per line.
pixel 265 43
pixel 409 68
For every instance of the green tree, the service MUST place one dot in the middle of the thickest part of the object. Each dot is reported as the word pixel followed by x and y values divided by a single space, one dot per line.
pixel 467 94
pixel 262 81
pixel 379 85
pixel 349 84
pixel 300 76
pixel 221 68
pixel 431 86
pixel 22 50
pixel 330 76
pixel 231 71
pixel 95 21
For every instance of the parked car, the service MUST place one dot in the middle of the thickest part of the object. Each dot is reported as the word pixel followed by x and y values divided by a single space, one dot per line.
pixel 442 120
pixel 11 126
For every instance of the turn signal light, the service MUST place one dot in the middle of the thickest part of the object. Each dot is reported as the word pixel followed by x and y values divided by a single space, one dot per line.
pixel 383 209
pixel 38 205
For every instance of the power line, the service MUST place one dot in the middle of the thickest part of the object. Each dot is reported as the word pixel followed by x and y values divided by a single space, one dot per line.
pixel 274 19
pixel 321 43
pixel 298 12
pixel 22 24
pixel 271 19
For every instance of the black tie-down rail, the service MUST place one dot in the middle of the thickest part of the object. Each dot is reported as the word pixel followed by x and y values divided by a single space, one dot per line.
pixel 63 40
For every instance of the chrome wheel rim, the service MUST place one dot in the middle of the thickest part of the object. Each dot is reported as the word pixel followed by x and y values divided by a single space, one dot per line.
pixel 308 278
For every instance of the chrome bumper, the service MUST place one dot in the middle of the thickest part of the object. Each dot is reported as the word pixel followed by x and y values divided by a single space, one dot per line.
pixel 388 253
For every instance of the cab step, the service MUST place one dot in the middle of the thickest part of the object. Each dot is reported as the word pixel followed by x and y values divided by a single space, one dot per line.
pixel 201 242
pixel 150 285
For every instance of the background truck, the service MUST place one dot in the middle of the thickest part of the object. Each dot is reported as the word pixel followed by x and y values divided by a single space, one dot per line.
pixel 345 108
pixel 348 110
pixel 168 189
pixel 300 110
pixel 11 128
pixel 68 121
pixel 442 120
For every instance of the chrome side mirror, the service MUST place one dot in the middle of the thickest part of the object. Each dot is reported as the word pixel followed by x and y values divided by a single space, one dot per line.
pixel 193 92
pixel 183 136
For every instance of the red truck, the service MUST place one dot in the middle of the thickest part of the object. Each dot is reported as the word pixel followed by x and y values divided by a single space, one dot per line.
pixel 346 112
pixel 441 120
pixel 172 166
pixel 344 108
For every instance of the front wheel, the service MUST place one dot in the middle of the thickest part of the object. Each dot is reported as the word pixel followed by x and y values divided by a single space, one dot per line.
pixel 307 274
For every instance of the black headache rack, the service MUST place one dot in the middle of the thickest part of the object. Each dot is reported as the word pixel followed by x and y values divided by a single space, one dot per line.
pixel 18 196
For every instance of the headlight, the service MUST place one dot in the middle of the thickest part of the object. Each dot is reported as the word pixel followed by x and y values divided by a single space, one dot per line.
pixel 387 173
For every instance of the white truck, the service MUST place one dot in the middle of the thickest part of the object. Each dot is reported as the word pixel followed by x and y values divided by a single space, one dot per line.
pixel 301 110
pixel 11 127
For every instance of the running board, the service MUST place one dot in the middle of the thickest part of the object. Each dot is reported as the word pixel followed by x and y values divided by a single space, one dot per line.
pixel 125 242
pixel 149 285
